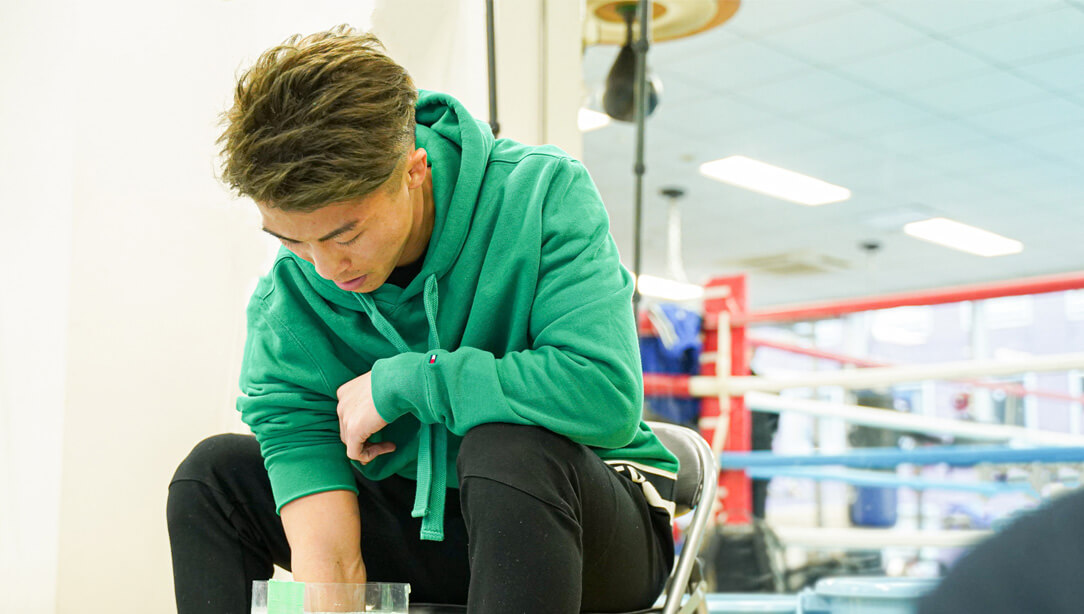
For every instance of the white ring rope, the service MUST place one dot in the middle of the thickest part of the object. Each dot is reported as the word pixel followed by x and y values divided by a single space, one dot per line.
pixel 875 539
pixel 868 416
pixel 881 377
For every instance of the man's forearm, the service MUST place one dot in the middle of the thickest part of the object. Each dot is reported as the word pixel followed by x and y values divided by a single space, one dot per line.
pixel 324 531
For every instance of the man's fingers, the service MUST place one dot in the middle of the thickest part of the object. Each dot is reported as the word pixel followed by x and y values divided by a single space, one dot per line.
pixel 364 452
pixel 355 449
pixel 340 410
pixel 373 450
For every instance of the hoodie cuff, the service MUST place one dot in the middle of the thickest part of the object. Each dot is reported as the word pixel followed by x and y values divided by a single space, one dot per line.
pixel 399 387
pixel 306 470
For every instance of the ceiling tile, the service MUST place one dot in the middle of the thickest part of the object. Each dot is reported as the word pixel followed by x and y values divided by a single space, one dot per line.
pixel 975 94
pixel 943 16
pixel 710 118
pixel 679 88
pixel 927 138
pixel 736 67
pixel 1066 142
pixel 811 91
pixel 766 16
pixel 853 165
pixel 896 175
pixel 1029 116
pixel 986 156
pixel 1041 35
pixel 945 193
pixel 1040 183
pixel 923 64
pixel 843 37
pixel 1060 73
pixel 617 136
pixel 872 115
pixel 779 142
pixel 1044 202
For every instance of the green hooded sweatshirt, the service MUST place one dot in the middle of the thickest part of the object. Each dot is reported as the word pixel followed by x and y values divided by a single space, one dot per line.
pixel 521 314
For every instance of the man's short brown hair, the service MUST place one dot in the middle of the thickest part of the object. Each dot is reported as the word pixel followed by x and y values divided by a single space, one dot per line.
pixel 316 120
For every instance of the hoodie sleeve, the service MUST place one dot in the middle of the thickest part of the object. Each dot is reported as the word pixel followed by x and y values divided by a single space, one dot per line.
pixel 291 409
pixel 581 376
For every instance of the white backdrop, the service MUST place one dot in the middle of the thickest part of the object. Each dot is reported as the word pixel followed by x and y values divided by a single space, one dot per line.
pixel 128 266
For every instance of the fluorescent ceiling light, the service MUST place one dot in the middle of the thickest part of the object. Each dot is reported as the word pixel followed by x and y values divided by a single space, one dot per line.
pixel 669 289
pixel 592 120
pixel 955 235
pixel 774 181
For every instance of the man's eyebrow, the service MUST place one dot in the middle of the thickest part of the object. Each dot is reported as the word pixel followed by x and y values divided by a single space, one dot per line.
pixel 331 235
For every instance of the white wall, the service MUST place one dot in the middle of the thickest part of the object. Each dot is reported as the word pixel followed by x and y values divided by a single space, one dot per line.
pixel 129 266
pixel 163 262
pixel 36 162
pixel 539 72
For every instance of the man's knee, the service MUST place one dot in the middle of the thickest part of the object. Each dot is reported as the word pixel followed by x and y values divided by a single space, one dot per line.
pixel 528 459
pixel 497 446
pixel 210 476
pixel 216 457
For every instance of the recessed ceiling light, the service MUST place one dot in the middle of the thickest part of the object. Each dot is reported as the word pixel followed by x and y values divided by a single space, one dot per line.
pixel 774 181
pixel 589 120
pixel 669 289
pixel 956 235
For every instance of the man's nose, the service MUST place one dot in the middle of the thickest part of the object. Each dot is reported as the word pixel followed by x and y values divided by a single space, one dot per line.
pixel 330 263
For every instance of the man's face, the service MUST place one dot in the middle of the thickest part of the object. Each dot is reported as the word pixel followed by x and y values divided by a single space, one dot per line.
pixel 354 243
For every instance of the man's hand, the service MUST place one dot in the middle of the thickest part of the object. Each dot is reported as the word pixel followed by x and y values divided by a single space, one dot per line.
pixel 358 420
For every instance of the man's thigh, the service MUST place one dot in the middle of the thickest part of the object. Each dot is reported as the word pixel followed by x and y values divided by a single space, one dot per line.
pixel 624 543
pixel 438 572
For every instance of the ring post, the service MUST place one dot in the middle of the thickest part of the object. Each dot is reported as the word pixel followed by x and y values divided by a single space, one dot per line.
pixel 725 305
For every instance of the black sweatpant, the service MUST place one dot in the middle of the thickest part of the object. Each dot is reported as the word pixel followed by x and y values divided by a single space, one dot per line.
pixel 538 524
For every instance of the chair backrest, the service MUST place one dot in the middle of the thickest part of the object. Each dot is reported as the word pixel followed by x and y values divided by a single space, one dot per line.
pixel 697 482
pixel 687 445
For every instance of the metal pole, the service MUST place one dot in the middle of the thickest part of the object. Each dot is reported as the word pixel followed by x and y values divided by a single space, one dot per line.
pixel 639 101
pixel 491 56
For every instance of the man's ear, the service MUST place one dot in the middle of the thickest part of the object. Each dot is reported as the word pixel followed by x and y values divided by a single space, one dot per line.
pixel 417 163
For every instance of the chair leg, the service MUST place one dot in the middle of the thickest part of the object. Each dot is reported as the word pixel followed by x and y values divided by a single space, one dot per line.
pixel 697 589
pixel 697 601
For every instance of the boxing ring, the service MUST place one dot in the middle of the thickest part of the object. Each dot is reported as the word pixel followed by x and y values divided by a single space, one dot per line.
pixel 728 394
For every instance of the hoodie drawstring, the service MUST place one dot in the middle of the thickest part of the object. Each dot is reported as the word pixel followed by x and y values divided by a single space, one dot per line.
pixel 432 478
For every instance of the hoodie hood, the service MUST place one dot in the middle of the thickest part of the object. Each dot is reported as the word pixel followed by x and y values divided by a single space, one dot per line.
pixel 458 148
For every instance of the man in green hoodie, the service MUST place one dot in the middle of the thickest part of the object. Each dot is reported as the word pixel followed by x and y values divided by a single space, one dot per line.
pixel 441 369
